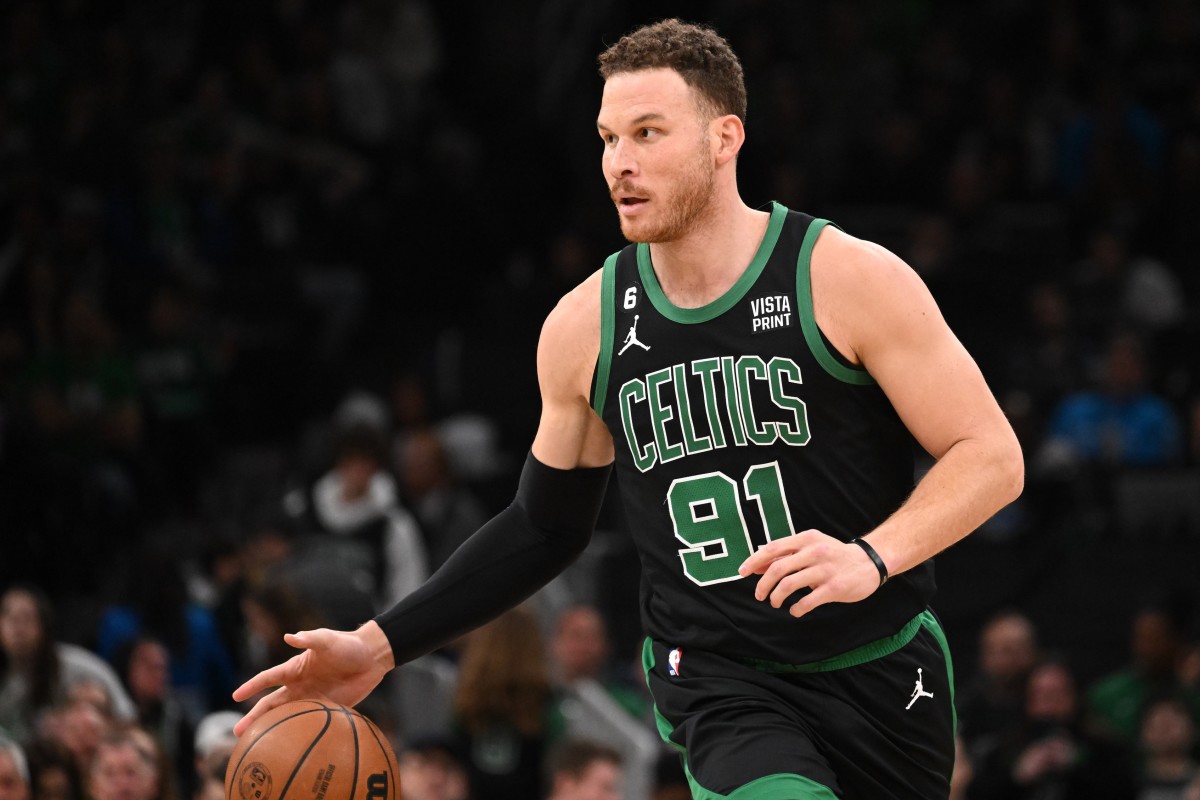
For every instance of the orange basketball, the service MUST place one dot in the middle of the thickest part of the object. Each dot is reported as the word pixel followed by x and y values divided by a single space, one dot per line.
pixel 312 750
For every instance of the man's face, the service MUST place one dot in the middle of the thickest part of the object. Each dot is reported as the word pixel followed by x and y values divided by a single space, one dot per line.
pixel 431 775
pixel 12 785
pixel 580 643
pixel 20 631
pixel 149 671
pixel 658 158
pixel 356 473
pixel 1008 649
pixel 120 772
pixel 1050 695
pixel 600 781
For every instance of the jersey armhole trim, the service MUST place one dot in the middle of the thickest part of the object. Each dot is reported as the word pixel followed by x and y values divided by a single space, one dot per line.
pixel 608 282
pixel 808 322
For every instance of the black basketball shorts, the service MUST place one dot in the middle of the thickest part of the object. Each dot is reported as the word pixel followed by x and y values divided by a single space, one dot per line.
pixel 877 722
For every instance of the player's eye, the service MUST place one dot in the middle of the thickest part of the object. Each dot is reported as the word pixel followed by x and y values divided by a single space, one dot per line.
pixel 609 138
pixel 647 133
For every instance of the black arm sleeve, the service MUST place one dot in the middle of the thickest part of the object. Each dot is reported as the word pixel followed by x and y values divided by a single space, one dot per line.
pixel 517 552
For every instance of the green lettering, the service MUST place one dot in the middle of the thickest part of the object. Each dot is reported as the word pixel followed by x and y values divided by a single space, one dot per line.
pixel 632 392
pixel 691 442
pixel 731 401
pixel 660 414
pixel 746 366
pixel 793 433
pixel 705 369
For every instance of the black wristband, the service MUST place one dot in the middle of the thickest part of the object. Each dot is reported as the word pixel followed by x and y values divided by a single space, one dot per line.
pixel 879 565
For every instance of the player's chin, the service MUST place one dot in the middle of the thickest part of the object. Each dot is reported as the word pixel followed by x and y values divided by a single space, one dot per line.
pixel 638 231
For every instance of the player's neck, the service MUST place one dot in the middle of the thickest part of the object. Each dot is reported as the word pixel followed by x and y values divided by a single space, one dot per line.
pixel 698 268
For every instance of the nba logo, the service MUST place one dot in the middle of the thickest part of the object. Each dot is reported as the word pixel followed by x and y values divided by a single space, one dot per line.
pixel 673 662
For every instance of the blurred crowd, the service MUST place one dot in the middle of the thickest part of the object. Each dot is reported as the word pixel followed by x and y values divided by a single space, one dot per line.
pixel 271 277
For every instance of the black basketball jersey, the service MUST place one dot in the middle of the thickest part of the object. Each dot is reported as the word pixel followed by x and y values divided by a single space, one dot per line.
pixel 737 423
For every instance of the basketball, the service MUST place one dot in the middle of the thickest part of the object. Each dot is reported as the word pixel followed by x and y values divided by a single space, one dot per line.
pixel 312 750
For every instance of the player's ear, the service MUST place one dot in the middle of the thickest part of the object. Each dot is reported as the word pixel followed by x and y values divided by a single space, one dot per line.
pixel 727 133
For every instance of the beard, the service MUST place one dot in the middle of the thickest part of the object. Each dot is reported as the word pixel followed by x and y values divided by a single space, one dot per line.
pixel 684 205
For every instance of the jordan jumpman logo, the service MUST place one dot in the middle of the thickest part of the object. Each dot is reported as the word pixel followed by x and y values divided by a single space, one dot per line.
pixel 631 338
pixel 918 691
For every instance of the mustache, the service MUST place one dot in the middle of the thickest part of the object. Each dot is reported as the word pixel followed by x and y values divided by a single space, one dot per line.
pixel 625 187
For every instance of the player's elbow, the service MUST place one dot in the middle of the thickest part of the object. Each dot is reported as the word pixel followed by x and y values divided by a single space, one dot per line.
pixel 1009 469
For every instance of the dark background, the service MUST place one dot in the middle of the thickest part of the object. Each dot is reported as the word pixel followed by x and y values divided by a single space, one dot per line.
pixel 236 213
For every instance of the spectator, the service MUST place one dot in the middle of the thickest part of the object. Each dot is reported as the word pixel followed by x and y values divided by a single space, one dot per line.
pixel 1158 648
pixel 37 673
pixel 157 605
pixel 583 770
pixel 80 727
pixel 432 769
pixel 53 773
pixel 14 772
pixel 596 705
pixel 215 742
pixel 1122 423
pixel 145 666
pixel 992 701
pixel 354 519
pixel 448 512
pixel 1112 285
pixel 1049 753
pixel 504 707
pixel 580 651
pixel 124 769
pixel 1167 742
pixel 265 548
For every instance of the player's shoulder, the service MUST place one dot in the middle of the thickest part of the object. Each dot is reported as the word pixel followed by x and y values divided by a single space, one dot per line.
pixel 577 312
pixel 851 258
pixel 847 269
pixel 570 340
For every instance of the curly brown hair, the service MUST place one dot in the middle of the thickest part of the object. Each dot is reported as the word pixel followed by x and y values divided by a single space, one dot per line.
pixel 699 54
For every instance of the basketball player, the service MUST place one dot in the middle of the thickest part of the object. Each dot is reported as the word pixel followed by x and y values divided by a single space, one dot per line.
pixel 760 430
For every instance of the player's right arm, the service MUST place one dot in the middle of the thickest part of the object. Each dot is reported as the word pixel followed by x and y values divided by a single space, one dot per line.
pixel 545 528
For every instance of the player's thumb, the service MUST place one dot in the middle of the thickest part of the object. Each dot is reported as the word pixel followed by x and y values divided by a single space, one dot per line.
pixel 309 640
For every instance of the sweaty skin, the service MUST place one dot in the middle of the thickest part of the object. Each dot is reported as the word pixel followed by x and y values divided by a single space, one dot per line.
pixel 659 147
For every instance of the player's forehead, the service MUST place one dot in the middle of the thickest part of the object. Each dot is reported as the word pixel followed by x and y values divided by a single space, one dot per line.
pixel 659 93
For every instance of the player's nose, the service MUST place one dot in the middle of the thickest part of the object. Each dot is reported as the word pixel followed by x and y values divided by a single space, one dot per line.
pixel 621 162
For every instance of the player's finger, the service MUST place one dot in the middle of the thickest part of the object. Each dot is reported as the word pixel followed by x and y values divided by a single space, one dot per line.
pixel 772 574
pixel 817 597
pixel 265 704
pixel 804 579
pixel 277 675
pixel 779 569
pixel 760 559
pixel 316 639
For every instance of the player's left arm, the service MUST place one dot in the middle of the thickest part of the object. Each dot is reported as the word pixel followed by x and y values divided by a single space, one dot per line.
pixel 878 312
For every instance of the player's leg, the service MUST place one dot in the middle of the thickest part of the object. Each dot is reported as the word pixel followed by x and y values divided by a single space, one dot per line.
pixel 737 738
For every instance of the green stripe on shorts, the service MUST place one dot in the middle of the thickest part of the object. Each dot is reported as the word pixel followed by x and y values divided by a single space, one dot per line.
pixel 852 658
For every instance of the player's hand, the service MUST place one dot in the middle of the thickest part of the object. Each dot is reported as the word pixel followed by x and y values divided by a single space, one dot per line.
pixel 339 665
pixel 837 572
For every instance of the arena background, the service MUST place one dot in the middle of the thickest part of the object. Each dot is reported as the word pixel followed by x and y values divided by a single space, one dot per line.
pixel 229 229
